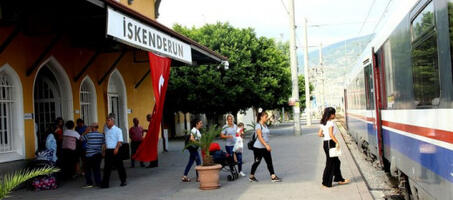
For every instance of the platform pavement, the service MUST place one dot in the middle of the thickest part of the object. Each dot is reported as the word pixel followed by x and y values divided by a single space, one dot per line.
pixel 298 160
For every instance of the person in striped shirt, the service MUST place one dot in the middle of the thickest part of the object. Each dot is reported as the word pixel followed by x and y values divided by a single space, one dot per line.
pixel 94 144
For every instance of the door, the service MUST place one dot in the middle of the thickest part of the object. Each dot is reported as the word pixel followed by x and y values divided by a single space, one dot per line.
pixel 114 107
pixel 377 65
pixel 47 106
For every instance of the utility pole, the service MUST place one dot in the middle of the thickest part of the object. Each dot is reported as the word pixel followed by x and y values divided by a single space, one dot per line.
pixel 321 68
pixel 307 82
pixel 294 73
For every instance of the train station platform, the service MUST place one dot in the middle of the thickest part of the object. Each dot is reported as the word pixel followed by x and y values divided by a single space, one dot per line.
pixel 298 160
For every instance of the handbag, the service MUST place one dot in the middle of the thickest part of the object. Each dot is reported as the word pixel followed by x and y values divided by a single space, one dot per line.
pixel 252 141
pixel 189 144
pixel 334 152
pixel 123 151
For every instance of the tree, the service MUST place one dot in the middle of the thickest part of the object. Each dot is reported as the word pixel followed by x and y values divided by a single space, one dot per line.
pixel 258 74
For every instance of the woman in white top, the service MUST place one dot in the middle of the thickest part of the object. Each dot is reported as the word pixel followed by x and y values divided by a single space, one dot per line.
pixel 327 131
pixel 262 149
pixel 195 135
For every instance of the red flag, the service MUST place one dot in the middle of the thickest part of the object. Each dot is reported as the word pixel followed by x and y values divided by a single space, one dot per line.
pixel 160 74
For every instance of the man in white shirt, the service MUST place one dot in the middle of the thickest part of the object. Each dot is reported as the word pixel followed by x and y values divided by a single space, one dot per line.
pixel 113 141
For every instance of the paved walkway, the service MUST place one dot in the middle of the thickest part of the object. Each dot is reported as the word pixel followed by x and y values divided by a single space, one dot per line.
pixel 298 160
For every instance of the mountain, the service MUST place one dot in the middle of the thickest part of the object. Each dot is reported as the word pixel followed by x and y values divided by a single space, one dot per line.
pixel 339 56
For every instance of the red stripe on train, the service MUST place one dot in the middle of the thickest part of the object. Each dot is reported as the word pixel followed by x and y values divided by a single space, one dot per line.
pixel 369 119
pixel 437 134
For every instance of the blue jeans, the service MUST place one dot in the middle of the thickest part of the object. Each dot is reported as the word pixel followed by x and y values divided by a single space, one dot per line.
pixel 229 150
pixel 194 156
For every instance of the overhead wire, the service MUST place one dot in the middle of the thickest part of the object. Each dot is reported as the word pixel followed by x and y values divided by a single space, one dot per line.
pixel 382 16
pixel 368 15
pixel 284 6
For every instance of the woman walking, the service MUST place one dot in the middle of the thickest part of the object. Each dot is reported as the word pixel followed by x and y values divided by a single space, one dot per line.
pixel 327 131
pixel 229 133
pixel 195 135
pixel 262 148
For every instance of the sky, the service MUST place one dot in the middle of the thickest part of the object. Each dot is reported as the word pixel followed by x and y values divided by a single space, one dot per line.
pixel 270 18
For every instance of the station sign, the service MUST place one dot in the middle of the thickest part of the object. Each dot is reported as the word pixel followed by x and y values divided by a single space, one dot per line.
pixel 132 32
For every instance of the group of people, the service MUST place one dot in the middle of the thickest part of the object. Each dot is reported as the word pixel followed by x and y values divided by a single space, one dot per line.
pixel 233 135
pixel 81 149
pixel 77 147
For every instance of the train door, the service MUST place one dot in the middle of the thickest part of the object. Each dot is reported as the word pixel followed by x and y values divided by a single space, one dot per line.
pixel 377 64
pixel 370 109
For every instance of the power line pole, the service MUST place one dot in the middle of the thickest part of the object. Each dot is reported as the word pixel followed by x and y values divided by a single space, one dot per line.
pixel 321 68
pixel 294 73
pixel 307 82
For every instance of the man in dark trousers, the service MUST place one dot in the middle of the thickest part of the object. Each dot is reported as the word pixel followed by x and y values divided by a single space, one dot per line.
pixel 113 141
pixel 136 136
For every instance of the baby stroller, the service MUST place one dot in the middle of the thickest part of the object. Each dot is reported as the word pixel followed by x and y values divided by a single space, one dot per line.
pixel 221 157
pixel 45 182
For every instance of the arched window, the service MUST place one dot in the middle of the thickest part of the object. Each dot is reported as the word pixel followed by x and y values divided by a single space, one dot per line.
pixel 6 112
pixel 12 141
pixel 88 110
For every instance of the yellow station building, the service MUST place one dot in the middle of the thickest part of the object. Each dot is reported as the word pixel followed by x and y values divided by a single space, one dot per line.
pixel 79 59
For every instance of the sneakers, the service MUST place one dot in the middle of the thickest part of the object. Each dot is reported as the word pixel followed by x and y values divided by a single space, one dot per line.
pixel 253 179
pixel 276 179
pixel 87 186
pixel 241 174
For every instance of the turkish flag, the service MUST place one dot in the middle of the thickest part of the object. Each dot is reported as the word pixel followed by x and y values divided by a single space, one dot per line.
pixel 160 74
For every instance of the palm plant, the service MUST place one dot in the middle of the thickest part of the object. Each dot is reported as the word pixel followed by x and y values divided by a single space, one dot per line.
pixel 205 142
pixel 11 181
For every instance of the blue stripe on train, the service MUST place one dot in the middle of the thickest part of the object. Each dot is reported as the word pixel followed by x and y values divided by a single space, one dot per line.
pixel 440 161
pixel 358 125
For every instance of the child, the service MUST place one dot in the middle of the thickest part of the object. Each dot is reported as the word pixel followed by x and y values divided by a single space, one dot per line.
pixel 238 146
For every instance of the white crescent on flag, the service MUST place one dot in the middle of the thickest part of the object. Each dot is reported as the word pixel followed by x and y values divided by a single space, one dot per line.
pixel 161 82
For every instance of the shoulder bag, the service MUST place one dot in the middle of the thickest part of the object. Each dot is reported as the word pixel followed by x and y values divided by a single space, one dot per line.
pixel 335 151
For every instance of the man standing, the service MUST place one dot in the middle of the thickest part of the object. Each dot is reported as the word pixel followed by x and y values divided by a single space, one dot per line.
pixel 136 136
pixel 113 141
pixel 94 142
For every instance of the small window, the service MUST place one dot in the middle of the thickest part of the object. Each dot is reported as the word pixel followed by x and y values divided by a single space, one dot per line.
pixel 88 102
pixel 369 87
pixel 424 22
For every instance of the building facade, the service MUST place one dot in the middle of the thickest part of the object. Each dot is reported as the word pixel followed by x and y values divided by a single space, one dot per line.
pixel 56 60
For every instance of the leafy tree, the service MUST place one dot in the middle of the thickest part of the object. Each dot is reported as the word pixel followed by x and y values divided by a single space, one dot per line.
pixel 302 91
pixel 258 74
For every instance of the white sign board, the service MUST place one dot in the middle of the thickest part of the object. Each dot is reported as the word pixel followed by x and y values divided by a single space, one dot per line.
pixel 144 37
pixel 28 115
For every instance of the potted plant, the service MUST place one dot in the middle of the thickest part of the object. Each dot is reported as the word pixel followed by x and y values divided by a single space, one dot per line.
pixel 208 172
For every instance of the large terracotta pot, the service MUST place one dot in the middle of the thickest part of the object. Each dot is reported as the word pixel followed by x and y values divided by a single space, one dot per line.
pixel 209 176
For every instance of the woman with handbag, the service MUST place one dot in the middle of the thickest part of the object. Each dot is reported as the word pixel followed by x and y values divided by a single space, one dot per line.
pixel 331 146
pixel 195 135
pixel 261 148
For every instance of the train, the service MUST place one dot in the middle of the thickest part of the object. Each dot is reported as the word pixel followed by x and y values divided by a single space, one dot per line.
pixel 398 98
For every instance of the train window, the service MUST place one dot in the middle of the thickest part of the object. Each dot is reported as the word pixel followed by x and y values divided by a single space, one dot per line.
pixel 423 22
pixel 425 72
pixel 425 69
pixel 369 87
pixel 388 77
pixel 450 17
